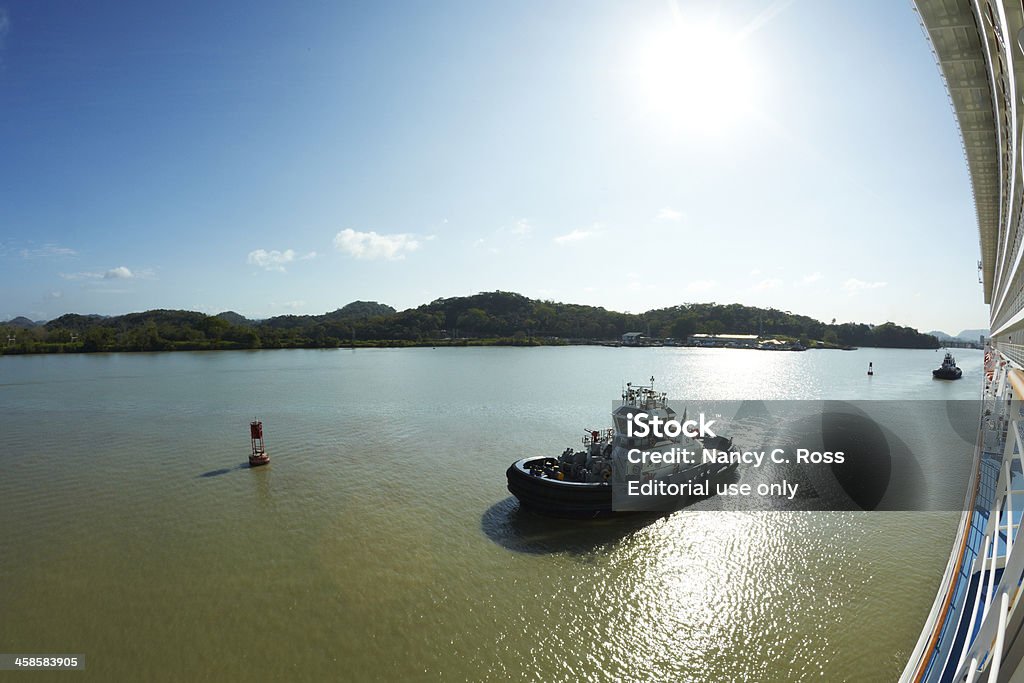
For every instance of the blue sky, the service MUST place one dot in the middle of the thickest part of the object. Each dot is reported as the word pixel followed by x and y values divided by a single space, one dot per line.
pixel 270 159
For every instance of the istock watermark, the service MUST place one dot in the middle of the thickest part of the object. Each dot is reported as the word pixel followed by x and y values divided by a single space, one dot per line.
pixel 796 455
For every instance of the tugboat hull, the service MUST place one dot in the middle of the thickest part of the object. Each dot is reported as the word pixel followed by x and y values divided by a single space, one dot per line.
pixel 578 483
pixel 556 498
pixel 576 500
pixel 949 370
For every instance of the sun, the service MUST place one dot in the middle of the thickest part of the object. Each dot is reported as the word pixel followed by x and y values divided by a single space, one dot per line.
pixel 694 76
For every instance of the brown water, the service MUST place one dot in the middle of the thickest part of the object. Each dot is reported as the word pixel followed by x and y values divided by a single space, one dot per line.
pixel 381 544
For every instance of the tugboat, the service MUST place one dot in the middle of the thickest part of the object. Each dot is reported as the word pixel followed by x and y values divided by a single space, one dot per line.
pixel 949 370
pixel 580 483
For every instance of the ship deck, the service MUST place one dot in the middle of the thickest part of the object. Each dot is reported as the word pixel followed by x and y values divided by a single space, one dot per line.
pixel 965 601
pixel 975 629
pixel 969 621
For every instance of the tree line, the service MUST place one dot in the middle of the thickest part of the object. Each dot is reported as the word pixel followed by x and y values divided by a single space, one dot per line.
pixel 488 317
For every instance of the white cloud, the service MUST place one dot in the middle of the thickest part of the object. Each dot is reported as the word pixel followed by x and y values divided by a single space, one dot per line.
pixel 669 214
pixel 503 237
pixel 49 250
pixel 290 305
pixel 482 243
pixel 810 279
pixel 275 260
pixel 56 250
pixel 770 283
pixel 578 235
pixel 855 286
pixel 371 246
pixel 271 260
pixel 522 227
pixel 119 273
pixel 700 286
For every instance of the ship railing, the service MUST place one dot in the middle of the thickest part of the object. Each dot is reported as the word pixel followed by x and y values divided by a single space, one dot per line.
pixel 922 665
pixel 988 652
pixel 1011 352
pixel 1000 444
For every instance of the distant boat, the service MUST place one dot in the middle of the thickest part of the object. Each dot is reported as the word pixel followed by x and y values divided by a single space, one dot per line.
pixel 949 370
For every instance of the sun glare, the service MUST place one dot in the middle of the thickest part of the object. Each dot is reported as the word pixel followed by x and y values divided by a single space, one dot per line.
pixel 694 76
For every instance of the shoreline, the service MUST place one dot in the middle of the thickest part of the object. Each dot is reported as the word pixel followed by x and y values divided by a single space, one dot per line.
pixel 77 348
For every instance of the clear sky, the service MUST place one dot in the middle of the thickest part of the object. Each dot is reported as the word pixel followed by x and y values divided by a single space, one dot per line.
pixel 274 158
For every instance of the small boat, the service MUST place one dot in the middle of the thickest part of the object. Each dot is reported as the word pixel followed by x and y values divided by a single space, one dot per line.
pixel 580 483
pixel 949 370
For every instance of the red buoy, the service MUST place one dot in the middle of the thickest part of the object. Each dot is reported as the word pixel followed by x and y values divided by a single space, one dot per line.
pixel 259 455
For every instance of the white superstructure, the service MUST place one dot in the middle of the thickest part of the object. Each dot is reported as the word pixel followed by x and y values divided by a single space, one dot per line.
pixel 975 629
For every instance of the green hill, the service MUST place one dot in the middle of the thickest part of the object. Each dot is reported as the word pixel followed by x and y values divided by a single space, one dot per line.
pixel 234 318
pixel 487 317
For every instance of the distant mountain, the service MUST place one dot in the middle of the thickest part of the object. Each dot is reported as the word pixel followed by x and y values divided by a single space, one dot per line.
pixel 359 309
pixel 22 321
pixel 234 318
pixel 966 335
pixel 76 322
pixel 346 316
pixel 493 317
pixel 972 335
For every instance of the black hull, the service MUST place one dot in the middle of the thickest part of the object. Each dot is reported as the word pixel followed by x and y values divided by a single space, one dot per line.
pixel 574 500
pixel 558 498
pixel 946 374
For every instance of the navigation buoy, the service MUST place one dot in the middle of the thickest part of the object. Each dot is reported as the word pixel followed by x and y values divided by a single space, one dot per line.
pixel 259 455
pixel 871 369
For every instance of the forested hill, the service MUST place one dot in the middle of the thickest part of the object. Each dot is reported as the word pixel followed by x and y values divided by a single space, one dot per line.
pixel 502 317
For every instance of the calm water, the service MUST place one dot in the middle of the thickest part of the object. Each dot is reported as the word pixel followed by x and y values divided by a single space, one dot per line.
pixel 381 544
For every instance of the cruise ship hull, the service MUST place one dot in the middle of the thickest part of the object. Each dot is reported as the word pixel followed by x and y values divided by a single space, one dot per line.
pixel 975 628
